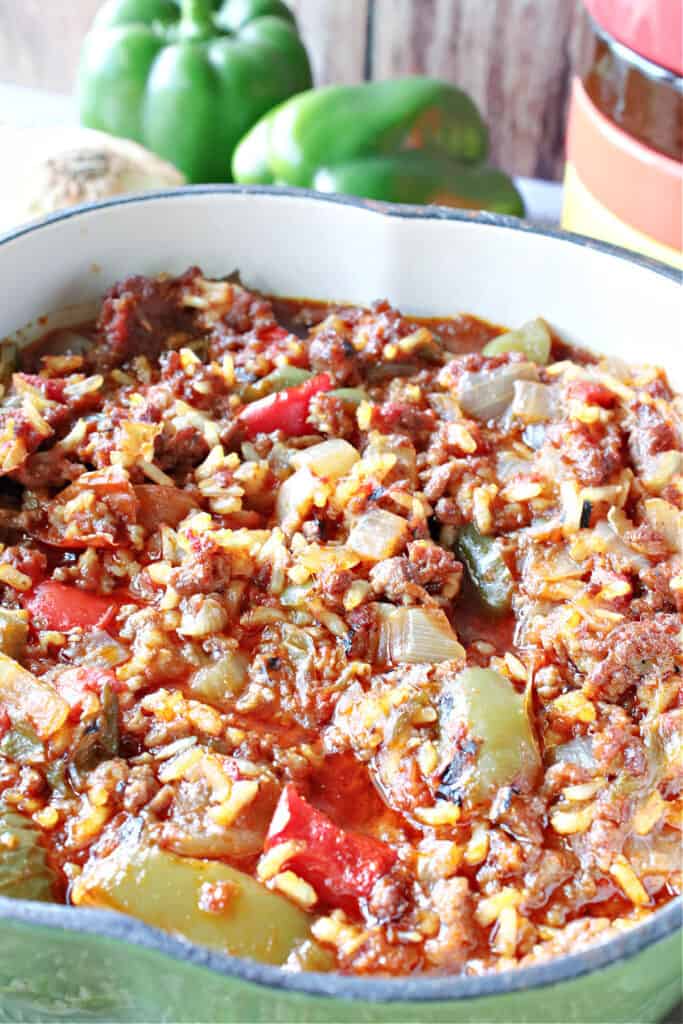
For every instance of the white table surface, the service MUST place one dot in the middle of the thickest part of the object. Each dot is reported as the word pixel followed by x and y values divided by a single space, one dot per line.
pixel 36 108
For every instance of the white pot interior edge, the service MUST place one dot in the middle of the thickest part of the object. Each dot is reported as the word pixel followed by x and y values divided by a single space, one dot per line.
pixel 295 245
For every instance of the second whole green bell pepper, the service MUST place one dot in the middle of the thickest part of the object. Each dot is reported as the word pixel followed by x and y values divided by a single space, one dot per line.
pixel 187 78
pixel 413 140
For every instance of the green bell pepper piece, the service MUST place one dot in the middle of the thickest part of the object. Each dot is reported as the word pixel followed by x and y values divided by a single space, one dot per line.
pixel 336 124
pixel 170 892
pixel 352 396
pixel 13 631
pixel 23 745
pixel 280 379
pixel 486 734
pixel 532 339
pixel 24 872
pixel 187 78
pixel 486 568
pixel 421 177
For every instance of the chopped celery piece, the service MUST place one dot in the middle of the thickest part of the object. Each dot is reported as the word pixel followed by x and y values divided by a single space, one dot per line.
pixel 532 339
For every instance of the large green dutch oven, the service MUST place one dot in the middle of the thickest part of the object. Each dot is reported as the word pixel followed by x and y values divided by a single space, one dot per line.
pixel 61 964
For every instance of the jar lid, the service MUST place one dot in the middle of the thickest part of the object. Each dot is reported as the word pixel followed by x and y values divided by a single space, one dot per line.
pixel 653 28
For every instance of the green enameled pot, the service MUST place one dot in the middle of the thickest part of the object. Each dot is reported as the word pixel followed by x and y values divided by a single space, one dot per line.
pixel 61 964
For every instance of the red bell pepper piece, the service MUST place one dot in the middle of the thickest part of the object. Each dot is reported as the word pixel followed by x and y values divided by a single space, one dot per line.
pixel 592 392
pixel 286 410
pixel 341 866
pixel 5 722
pixel 273 332
pixel 60 607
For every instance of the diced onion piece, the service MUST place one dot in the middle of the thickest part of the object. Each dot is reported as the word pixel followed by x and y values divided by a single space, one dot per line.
pixel 25 697
pixel 666 519
pixel 378 535
pixel 296 498
pixel 575 498
pixel 533 339
pixel 421 635
pixel 532 402
pixel 661 469
pixel 295 595
pixel 486 394
pixel 445 406
pixel 329 459
pixel 657 854
pixel 578 751
pixel 222 679
pixel 210 616
pixel 604 539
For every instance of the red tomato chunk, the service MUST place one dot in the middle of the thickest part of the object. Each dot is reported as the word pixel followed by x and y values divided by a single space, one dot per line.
pixel 61 607
pixel 341 866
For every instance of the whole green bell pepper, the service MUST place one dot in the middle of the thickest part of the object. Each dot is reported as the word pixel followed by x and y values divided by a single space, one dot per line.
pixel 413 140
pixel 187 78
pixel 338 123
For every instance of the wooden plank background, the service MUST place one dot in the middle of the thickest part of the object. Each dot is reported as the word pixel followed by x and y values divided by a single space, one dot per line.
pixel 514 57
